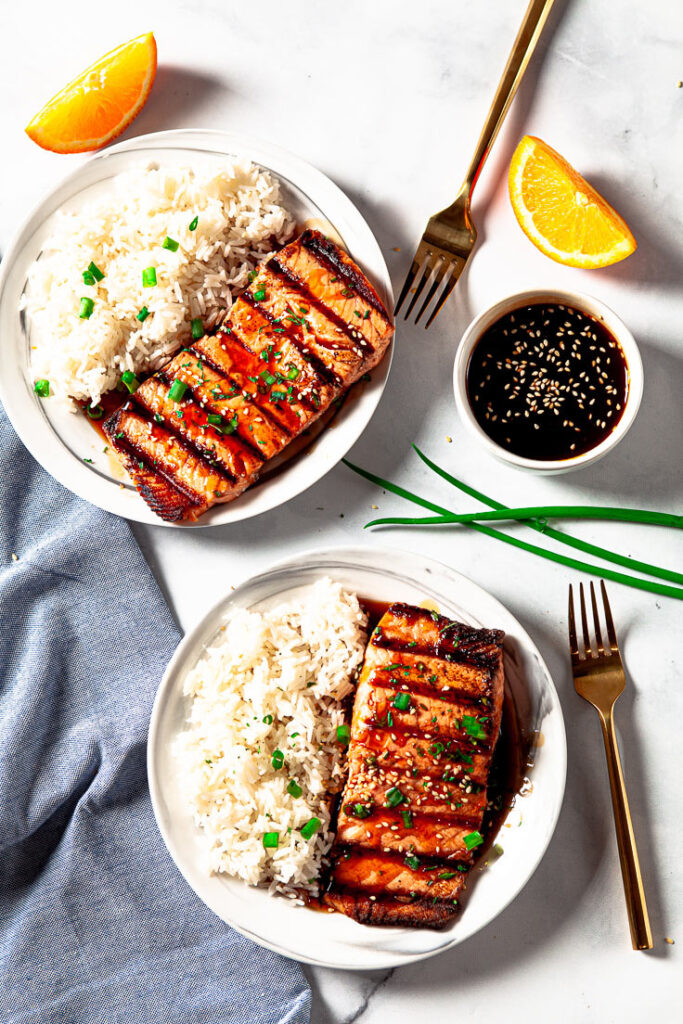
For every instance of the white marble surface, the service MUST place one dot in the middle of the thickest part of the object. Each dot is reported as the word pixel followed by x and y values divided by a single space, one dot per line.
pixel 387 97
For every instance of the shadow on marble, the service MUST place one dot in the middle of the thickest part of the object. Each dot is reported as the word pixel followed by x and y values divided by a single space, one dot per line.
pixel 179 94
pixel 649 460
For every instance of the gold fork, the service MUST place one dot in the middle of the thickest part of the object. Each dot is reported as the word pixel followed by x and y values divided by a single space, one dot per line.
pixel 450 235
pixel 599 678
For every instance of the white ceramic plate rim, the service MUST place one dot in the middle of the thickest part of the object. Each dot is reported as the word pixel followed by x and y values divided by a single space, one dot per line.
pixel 579 300
pixel 23 407
pixel 416 570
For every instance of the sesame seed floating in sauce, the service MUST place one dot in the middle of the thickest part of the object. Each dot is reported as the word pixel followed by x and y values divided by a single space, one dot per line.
pixel 547 382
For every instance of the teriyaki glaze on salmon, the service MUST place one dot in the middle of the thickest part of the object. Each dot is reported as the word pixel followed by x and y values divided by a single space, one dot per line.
pixel 202 429
pixel 426 719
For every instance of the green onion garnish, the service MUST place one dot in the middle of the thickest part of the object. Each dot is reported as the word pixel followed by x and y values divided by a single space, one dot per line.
pixel 267 376
pixel 268 719
pixel 294 789
pixel 445 515
pixel 473 727
pixel 86 308
pixel 130 381
pixel 343 735
pixel 149 277
pixel 407 819
pixel 401 701
pixel 193 223
pixel 42 388
pixel 88 278
pixel 412 861
pixel 277 760
pixel 95 412
pixel 170 244
pixel 358 810
pixel 292 371
pixel 271 840
pixel 142 315
pixel 177 390
pixel 260 294
pixel 311 827
pixel 197 328
pixel 95 271
pixel 214 419
pixel 443 875
pixel 394 797
pixel 473 840
pixel 231 426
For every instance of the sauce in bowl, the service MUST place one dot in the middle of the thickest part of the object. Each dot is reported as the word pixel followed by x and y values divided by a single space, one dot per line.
pixel 547 382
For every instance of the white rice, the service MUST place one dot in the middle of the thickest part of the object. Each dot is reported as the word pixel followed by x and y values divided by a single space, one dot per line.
pixel 240 221
pixel 295 663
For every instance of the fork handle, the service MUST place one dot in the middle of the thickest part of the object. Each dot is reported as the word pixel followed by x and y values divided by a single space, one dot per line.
pixel 641 936
pixel 520 55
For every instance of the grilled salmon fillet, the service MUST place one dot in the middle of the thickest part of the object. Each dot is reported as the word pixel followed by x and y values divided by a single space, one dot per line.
pixel 201 430
pixel 426 719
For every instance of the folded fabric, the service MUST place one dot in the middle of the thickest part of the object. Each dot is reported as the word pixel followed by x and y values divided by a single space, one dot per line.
pixel 96 923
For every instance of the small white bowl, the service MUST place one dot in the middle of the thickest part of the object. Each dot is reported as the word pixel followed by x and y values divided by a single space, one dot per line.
pixel 585 304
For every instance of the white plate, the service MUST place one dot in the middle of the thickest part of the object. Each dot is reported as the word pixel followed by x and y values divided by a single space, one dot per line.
pixel 60 440
pixel 334 940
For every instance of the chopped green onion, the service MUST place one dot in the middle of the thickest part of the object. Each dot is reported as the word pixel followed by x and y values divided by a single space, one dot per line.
pixel 394 797
pixel 446 874
pixel 170 244
pixel 86 308
pixel 343 735
pixel 252 275
pixel 260 294
pixel 267 376
pixel 95 412
pixel 88 278
pixel 42 388
pixel 292 372
pixel 149 277
pixel 401 701
pixel 473 727
pixel 142 315
pixel 358 810
pixel 214 419
pixel 231 426
pixel 294 789
pixel 95 271
pixel 407 819
pixel 271 840
pixel 268 719
pixel 311 827
pixel 131 382
pixel 278 760
pixel 197 328
pixel 177 390
pixel 473 840
pixel 193 223
pixel 412 861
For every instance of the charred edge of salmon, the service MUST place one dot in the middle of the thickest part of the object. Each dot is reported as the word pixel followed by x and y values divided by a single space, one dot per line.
pixel 375 813
pixel 356 337
pixel 420 913
pixel 301 397
pixel 165 497
pixel 457 641
pixel 317 365
pixel 327 252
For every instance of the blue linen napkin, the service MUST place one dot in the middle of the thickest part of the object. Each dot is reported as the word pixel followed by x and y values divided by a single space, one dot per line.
pixel 96 924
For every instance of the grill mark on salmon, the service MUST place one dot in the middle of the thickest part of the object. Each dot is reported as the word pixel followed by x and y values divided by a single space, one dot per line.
pixel 271 369
pixel 416 791
pixel 330 254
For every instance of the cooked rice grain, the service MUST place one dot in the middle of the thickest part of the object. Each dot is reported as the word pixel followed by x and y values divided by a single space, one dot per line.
pixel 262 666
pixel 240 221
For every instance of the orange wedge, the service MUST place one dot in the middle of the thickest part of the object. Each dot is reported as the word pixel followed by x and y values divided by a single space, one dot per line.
pixel 561 213
pixel 97 106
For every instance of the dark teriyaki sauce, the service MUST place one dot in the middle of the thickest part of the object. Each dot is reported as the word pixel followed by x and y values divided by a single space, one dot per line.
pixel 547 382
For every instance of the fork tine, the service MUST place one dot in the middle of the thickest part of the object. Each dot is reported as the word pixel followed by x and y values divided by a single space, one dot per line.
pixel 429 267
pixel 596 621
pixel 584 623
pixel 573 642
pixel 440 272
pixel 408 283
pixel 611 631
pixel 448 288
